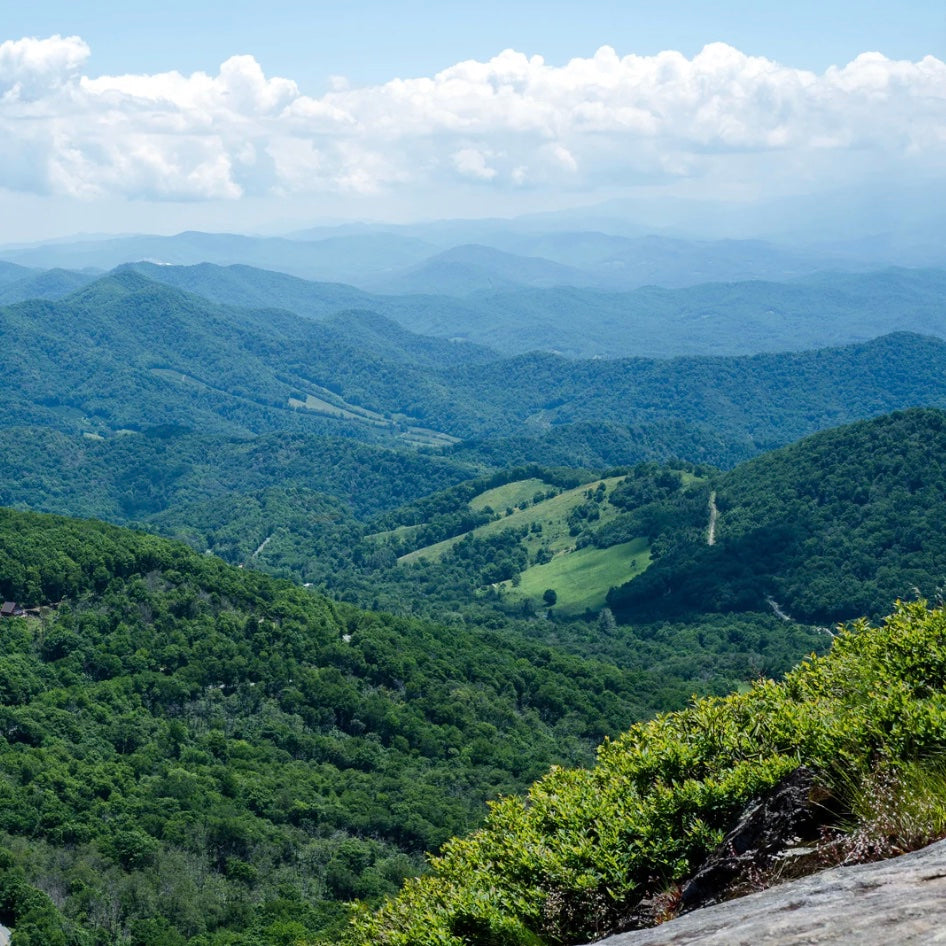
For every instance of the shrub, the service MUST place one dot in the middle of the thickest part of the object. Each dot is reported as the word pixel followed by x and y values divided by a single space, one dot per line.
pixel 569 860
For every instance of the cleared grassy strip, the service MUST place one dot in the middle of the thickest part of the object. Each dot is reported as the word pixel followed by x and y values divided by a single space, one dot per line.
pixel 333 400
pixel 550 514
pixel 431 553
pixel 509 496
pixel 581 579
pixel 318 406
pixel 425 437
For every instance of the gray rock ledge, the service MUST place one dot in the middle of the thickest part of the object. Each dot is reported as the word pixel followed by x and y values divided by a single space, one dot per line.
pixel 888 903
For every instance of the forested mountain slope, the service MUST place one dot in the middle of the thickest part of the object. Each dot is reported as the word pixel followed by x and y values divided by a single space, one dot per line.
pixel 48 284
pixel 589 852
pixel 249 287
pixel 11 273
pixel 740 405
pixel 836 525
pixel 125 353
pixel 131 477
pixel 130 400
pixel 472 267
pixel 461 298
pixel 708 319
pixel 826 529
pixel 191 752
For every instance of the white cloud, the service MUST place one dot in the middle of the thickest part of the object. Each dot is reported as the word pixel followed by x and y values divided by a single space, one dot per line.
pixel 472 163
pixel 511 122
pixel 30 68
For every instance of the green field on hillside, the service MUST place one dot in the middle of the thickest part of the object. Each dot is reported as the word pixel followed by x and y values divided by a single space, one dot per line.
pixel 581 579
pixel 546 520
pixel 510 495
pixel 548 524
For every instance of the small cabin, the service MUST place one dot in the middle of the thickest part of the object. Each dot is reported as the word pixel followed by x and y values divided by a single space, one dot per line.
pixel 10 609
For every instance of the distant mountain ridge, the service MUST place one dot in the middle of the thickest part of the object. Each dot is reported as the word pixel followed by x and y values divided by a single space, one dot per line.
pixel 126 352
pixel 817 311
pixel 46 284
pixel 473 267
pixel 418 258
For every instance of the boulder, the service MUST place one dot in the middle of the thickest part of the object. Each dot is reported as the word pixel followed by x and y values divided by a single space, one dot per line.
pixel 770 832
pixel 899 901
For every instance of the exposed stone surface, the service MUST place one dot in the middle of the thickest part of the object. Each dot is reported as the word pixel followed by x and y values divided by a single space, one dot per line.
pixel 791 813
pixel 889 903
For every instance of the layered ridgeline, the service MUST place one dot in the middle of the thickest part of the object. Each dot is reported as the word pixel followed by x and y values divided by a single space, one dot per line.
pixel 134 363
pixel 459 256
pixel 125 353
pixel 471 296
pixel 471 293
pixel 588 852
pixel 196 753
pixel 823 530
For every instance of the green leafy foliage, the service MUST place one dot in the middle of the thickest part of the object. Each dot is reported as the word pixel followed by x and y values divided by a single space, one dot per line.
pixel 192 752
pixel 566 862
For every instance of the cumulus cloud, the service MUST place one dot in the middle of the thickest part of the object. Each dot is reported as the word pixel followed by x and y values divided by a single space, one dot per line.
pixel 512 122
pixel 30 68
pixel 472 163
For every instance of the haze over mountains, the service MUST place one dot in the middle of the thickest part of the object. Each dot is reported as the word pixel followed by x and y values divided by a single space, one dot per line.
pixel 517 441
pixel 374 579
pixel 494 302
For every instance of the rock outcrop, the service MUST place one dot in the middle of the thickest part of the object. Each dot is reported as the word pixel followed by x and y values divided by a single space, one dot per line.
pixel 896 902
pixel 774 829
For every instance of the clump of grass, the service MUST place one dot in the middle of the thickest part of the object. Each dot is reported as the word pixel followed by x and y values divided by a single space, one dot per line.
pixel 898 806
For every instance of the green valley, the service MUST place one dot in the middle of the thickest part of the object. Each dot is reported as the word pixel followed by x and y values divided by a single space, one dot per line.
pixel 410 576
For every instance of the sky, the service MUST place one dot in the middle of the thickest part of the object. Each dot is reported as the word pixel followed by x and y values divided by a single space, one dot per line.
pixel 248 116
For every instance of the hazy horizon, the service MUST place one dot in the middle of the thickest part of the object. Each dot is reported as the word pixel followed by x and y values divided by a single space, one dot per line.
pixel 821 122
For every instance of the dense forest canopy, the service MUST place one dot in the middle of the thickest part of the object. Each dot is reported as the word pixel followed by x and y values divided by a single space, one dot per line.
pixel 196 752
pixel 413 574
pixel 828 528
pixel 125 354
pixel 586 852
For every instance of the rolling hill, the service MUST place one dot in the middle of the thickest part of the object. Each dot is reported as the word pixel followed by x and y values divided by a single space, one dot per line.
pixel 200 753
pixel 472 267
pixel 223 757
pixel 708 319
pixel 829 528
pixel 47 284
pixel 341 258
pixel 595 251
pixel 126 363
pixel 126 352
